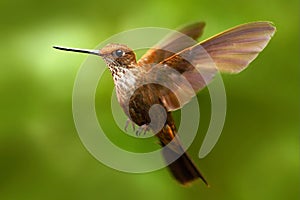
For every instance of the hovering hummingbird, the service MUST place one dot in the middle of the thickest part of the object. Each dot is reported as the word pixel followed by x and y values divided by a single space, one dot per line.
pixel 231 51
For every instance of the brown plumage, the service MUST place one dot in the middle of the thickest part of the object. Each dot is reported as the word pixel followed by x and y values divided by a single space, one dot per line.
pixel 230 52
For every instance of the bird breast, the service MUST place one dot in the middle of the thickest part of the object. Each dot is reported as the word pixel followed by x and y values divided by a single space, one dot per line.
pixel 125 81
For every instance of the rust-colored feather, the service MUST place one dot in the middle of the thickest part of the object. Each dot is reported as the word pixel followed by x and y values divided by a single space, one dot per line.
pixel 173 43
pixel 230 52
pixel 234 49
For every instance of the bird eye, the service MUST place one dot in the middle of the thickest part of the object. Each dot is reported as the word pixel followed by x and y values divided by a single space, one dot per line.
pixel 119 53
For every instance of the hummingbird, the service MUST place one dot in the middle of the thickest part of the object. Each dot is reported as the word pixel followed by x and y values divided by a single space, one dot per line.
pixel 231 52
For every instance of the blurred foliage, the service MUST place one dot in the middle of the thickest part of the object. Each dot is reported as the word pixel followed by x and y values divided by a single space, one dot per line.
pixel 41 156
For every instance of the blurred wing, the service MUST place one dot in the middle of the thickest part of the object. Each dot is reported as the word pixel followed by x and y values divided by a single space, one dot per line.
pixel 173 43
pixel 230 52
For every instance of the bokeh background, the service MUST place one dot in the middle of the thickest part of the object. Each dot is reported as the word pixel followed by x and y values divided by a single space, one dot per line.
pixel 41 155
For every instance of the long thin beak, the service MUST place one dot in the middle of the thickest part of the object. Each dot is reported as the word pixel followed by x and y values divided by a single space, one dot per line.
pixel 88 51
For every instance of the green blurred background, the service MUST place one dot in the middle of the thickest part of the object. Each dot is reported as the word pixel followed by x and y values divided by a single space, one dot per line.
pixel 41 155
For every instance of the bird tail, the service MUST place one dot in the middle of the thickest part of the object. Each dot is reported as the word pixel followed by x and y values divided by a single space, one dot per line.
pixel 183 169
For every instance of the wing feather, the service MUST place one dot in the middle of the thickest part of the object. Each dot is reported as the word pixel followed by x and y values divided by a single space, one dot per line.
pixel 173 43
pixel 230 52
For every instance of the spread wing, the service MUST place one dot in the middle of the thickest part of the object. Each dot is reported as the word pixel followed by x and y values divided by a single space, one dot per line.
pixel 173 43
pixel 230 51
